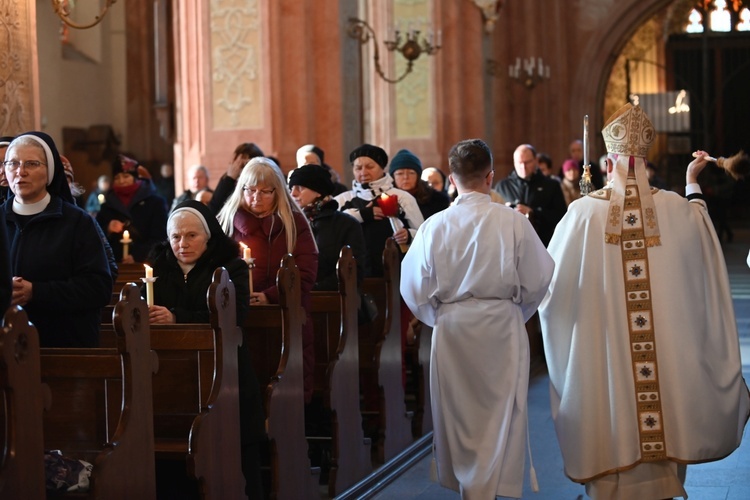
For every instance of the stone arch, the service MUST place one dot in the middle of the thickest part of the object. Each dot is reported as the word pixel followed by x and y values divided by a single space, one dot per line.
pixel 601 52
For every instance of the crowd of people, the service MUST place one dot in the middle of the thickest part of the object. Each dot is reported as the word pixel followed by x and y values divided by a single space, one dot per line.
pixel 479 259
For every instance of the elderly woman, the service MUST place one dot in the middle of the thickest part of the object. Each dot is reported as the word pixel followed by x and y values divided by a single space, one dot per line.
pixel 184 265
pixel 60 271
pixel 262 214
pixel 370 182
pixel 311 187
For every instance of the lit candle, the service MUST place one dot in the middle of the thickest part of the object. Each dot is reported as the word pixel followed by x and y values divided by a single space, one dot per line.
pixel 125 241
pixel 247 256
pixel 100 198
pixel 149 285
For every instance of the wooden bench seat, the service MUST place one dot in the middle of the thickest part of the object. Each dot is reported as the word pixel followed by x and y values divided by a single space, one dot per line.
pixel 101 405
pixel 381 360
pixel 334 317
pixel 21 409
pixel 274 334
pixel 195 394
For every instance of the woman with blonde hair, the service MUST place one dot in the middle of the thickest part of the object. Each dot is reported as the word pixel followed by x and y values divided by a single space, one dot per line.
pixel 262 214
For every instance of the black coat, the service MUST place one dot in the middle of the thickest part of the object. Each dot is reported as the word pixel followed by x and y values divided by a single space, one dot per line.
pixel 437 202
pixel 61 253
pixel 185 296
pixel 145 218
pixel 333 230
pixel 540 193
pixel 5 274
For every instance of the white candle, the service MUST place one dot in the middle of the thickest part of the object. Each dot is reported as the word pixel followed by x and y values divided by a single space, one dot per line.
pixel 247 256
pixel 149 285
pixel 125 240
pixel 585 140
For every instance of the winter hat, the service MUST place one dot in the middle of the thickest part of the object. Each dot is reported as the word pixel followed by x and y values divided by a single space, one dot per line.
pixel 312 148
pixel 312 177
pixel 125 165
pixel 406 159
pixel 569 165
pixel 376 153
pixel 57 184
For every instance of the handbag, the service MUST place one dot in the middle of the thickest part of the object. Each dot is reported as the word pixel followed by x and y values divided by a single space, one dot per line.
pixel 368 309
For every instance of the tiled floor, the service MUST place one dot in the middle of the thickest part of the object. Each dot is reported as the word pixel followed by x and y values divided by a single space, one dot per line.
pixel 728 479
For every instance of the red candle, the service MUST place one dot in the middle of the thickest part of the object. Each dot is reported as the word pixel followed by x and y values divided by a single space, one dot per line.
pixel 388 204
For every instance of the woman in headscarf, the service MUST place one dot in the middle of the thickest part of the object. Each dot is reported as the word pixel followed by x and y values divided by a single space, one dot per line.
pixel 184 265
pixel 59 265
pixel 262 214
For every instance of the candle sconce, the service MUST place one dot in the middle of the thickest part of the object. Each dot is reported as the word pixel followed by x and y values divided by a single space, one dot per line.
pixel 528 72
pixel 64 10
pixel 408 44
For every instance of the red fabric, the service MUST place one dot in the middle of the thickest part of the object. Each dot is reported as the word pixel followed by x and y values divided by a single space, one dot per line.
pixel 126 193
pixel 266 238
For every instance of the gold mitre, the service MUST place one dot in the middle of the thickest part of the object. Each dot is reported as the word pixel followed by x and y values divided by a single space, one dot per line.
pixel 629 132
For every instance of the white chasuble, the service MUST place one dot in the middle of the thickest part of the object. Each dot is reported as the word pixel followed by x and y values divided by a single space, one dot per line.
pixel 641 342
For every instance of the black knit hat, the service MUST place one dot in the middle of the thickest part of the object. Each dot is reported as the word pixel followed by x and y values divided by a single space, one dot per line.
pixel 312 177
pixel 376 153
pixel 406 159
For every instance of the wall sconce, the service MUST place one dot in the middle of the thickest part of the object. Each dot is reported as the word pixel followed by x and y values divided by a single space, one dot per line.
pixel 534 71
pixel 63 9
pixel 409 45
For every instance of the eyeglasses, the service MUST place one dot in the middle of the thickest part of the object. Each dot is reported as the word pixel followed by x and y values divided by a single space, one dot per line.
pixel 491 172
pixel 29 164
pixel 260 192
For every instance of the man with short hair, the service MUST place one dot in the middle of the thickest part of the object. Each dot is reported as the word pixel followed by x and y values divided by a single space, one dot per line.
pixel 476 272
pixel 532 193
pixel 197 177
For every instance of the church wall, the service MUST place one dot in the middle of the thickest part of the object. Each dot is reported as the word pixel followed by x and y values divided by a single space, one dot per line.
pixel 310 84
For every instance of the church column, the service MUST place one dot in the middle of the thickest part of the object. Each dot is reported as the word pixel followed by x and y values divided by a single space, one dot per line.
pixel 19 77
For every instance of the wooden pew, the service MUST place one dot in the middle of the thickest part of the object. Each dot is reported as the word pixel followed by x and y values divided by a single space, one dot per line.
pixel 422 423
pixel 380 358
pixel 104 396
pixel 337 375
pixel 195 396
pixel 274 333
pixel 21 408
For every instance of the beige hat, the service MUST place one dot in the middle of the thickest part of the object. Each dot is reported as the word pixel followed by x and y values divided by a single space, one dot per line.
pixel 628 135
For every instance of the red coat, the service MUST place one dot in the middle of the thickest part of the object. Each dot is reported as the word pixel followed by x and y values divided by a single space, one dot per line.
pixel 266 237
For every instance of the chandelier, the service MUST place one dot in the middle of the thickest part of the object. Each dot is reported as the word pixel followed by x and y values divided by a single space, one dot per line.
pixel 409 44
pixel 534 71
pixel 64 8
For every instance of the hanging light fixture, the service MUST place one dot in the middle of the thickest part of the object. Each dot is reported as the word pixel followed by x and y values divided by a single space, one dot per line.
pixel 409 45
pixel 64 8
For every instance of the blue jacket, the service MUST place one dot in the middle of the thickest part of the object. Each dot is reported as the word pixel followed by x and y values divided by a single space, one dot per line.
pixel 61 253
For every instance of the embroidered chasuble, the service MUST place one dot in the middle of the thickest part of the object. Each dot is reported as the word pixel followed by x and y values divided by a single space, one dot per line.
pixel 640 327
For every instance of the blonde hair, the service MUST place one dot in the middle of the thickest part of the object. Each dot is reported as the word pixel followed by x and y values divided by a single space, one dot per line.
pixel 261 170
